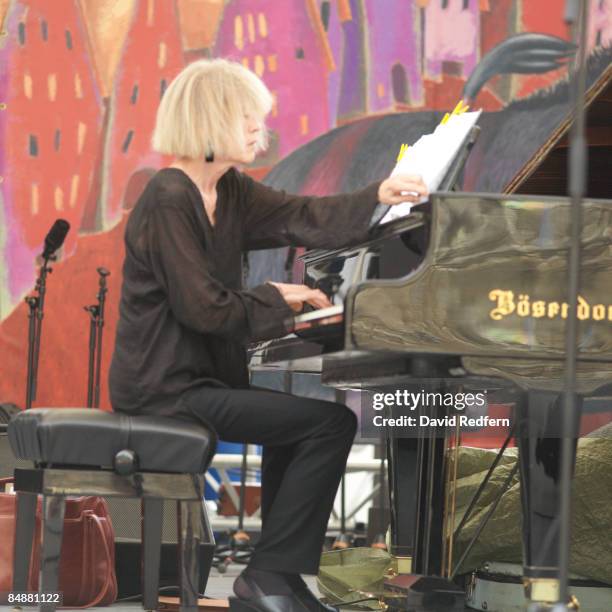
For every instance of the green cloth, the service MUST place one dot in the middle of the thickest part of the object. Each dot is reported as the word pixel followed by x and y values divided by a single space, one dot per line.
pixel 354 573
pixel 591 548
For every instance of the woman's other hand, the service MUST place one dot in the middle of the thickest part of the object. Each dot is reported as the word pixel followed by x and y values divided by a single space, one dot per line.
pixel 402 188
pixel 297 295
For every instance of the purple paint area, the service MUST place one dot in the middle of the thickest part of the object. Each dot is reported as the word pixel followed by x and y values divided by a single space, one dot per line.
pixel 452 34
pixel 352 100
pixel 394 54
pixel 335 38
pixel 288 56
pixel 600 24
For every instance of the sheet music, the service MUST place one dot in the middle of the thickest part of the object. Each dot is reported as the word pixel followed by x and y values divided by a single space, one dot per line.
pixel 431 157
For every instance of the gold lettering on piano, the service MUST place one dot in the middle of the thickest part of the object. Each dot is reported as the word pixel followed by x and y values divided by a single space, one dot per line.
pixel 505 303
pixel 553 309
pixel 539 309
pixel 523 306
pixel 599 312
pixel 584 310
pixel 564 308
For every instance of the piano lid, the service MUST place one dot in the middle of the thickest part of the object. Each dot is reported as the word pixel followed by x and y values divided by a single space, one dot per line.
pixel 546 173
pixel 522 147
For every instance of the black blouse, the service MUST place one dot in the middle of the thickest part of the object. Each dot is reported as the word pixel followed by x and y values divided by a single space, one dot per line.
pixel 184 319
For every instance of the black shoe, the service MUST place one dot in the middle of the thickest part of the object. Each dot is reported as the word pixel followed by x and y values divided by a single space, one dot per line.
pixel 308 598
pixel 299 600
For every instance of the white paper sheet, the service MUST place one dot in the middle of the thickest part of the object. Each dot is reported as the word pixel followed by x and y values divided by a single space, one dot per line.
pixel 431 156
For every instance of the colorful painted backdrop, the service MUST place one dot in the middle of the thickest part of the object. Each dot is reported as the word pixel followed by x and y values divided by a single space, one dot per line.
pixel 80 81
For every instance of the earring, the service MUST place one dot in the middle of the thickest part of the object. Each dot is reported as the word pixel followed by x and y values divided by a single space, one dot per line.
pixel 210 155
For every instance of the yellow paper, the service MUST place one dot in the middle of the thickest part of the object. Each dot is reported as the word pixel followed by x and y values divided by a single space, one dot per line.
pixel 402 152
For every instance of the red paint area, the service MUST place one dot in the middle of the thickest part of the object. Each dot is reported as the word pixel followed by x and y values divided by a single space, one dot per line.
pixel 326 175
pixel 546 19
pixel 53 131
pixel 496 24
pixel 152 57
pixel 443 95
pixel 62 375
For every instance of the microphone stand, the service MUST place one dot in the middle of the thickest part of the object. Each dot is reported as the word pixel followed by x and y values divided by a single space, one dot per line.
pixel 93 328
pixel 576 15
pixel 96 325
pixel 344 539
pixel 36 304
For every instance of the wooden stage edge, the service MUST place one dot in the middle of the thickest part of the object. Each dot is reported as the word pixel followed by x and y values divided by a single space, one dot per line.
pixel 211 605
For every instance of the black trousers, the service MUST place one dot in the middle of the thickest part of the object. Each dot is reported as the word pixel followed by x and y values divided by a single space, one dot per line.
pixel 306 443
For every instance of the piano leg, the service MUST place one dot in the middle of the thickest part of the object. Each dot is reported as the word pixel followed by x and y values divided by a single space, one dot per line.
pixel 430 518
pixel 538 416
pixel 416 490
pixel 402 462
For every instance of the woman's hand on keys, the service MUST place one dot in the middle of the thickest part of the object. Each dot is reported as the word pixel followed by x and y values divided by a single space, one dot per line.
pixel 297 295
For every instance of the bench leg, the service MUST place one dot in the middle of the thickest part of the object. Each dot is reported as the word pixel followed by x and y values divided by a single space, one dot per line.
pixel 190 536
pixel 152 516
pixel 53 527
pixel 25 527
pixel 209 538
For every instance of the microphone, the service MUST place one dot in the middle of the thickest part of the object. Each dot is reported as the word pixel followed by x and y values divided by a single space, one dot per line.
pixel 55 238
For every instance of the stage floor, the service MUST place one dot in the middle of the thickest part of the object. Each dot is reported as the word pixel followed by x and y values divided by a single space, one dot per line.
pixel 219 587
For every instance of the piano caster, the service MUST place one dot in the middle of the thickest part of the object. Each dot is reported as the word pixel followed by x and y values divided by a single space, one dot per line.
pixel 573 604
pixel 543 596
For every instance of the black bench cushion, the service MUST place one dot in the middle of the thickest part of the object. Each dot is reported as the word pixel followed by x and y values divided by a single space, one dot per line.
pixel 90 437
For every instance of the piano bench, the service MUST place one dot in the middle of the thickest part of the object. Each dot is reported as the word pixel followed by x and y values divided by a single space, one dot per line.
pixel 84 451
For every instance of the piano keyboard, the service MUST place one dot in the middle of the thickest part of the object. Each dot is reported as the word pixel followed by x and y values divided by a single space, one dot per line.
pixel 321 321
pixel 335 314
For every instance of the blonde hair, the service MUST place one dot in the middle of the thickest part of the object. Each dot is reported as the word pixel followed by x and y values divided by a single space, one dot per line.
pixel 203 109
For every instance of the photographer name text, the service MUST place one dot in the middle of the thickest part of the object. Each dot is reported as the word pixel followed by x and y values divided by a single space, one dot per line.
pixel 448 421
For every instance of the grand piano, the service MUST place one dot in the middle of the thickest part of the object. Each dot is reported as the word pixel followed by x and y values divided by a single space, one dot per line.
pixel 469 293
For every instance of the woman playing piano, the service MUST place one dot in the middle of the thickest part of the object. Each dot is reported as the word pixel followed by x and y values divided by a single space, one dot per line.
pixel 184 318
